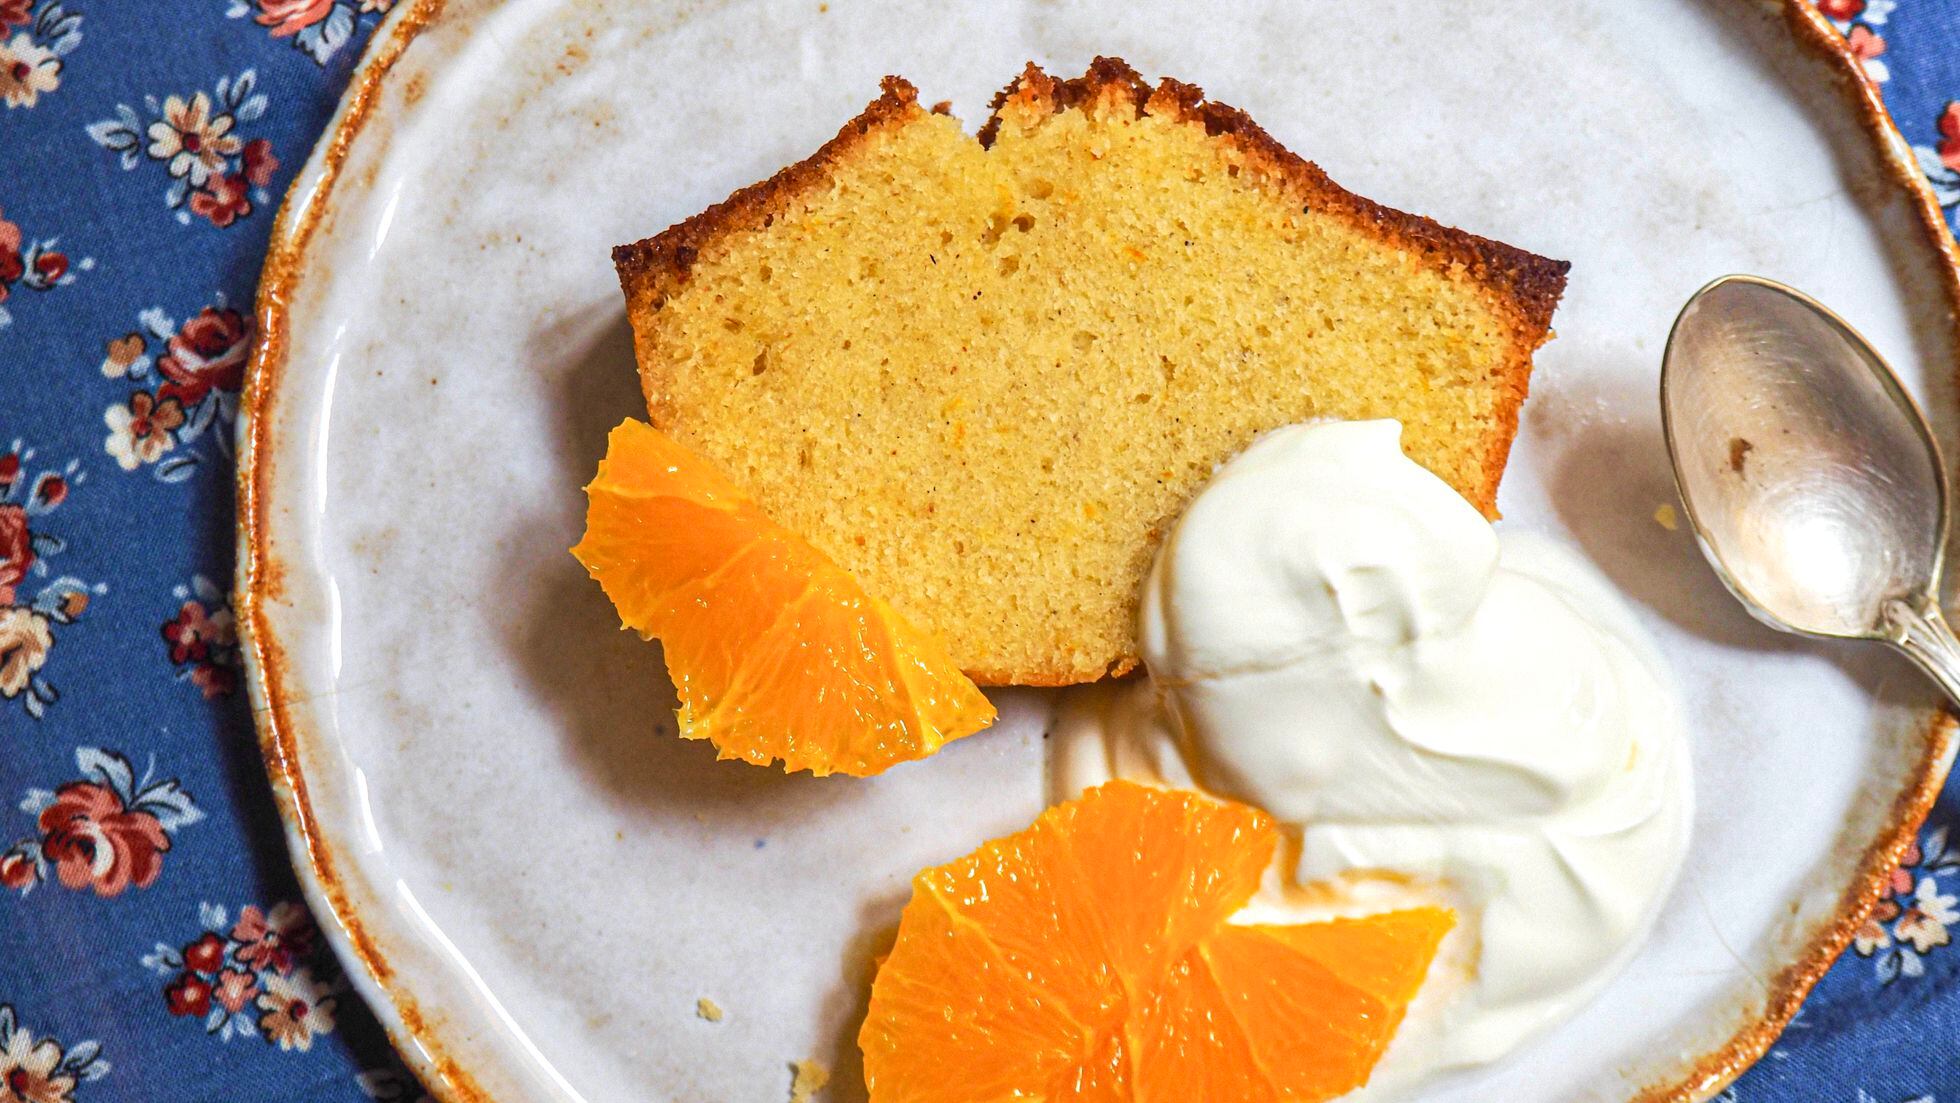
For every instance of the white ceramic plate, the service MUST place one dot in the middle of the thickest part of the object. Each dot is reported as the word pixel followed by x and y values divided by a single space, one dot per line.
pixel 535 881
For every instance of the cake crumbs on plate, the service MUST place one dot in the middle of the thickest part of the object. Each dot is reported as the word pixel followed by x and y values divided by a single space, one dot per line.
pixel 1665 517
pixel 811 1076
pixel 708 1009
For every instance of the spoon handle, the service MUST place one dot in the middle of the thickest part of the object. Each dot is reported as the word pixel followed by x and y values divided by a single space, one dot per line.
pixel 1922 633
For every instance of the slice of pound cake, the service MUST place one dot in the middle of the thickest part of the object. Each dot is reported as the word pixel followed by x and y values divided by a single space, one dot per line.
pixel 983 375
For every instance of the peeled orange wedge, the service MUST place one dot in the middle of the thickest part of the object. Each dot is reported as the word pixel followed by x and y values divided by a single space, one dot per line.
pixel 1090 958
pixel 777 652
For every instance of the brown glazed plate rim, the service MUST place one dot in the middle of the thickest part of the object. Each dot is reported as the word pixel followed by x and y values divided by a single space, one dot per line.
pixel 260 578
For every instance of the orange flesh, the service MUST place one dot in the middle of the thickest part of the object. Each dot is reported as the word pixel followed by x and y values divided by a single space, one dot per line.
pixel 777 652
pixel 1089 958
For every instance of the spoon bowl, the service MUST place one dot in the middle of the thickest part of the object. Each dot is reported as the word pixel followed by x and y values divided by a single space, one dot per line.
pixel 1809 475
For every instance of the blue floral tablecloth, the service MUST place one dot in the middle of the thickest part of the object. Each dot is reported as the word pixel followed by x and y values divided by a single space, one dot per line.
pixel 152 940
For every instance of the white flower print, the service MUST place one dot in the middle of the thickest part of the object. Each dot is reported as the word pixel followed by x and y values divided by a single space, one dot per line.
pixel 194 141
pixel 27 71
pixel 293 1009
pixel 1925 923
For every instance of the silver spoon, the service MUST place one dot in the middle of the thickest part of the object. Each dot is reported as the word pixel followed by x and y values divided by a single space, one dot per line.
pixel 1811 481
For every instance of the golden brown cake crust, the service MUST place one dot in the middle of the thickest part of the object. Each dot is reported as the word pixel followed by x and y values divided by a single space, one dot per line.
pixel 1525 287
pixel 651 268
pixel 1533 282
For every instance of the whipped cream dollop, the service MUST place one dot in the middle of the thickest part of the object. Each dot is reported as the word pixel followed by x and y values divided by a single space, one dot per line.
pixel 1442 713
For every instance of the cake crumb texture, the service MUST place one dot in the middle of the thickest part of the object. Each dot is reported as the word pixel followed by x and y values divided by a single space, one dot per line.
pixel 984 375
pixel 810 1077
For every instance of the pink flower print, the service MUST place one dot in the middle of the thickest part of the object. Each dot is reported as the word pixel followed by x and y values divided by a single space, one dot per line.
pixel 277 939
pixel 235 989
pixel 16 549
pixel 17 869
pixel 1867 45
pixel 95 842
pixel 207 353
pixel 289 17
pixel 193 632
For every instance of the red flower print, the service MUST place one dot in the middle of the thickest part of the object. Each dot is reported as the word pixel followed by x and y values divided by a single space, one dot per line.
pixel 222 200
pixel 206 954
pixel 1950 136
pixel 17 869
pixel 260 164
pixel 276 939
pixel 51 266
pixel 206 354
pixel 192 632
pixel 95 842
pixel 1841 10
pixel 9 471
pixel 11 267
pixel 50 491
pixel 235 989
pixel 16 549
pixel 215 680
pixel 204 635
pixel 289 17
pixel 190 994
pixel 14 13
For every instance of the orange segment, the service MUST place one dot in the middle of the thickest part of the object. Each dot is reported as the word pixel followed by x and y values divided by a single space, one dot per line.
pixel 1088 958
pixel 1372 954
pixel 1315 1034
pixel 1190 1047
pixel 777 652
